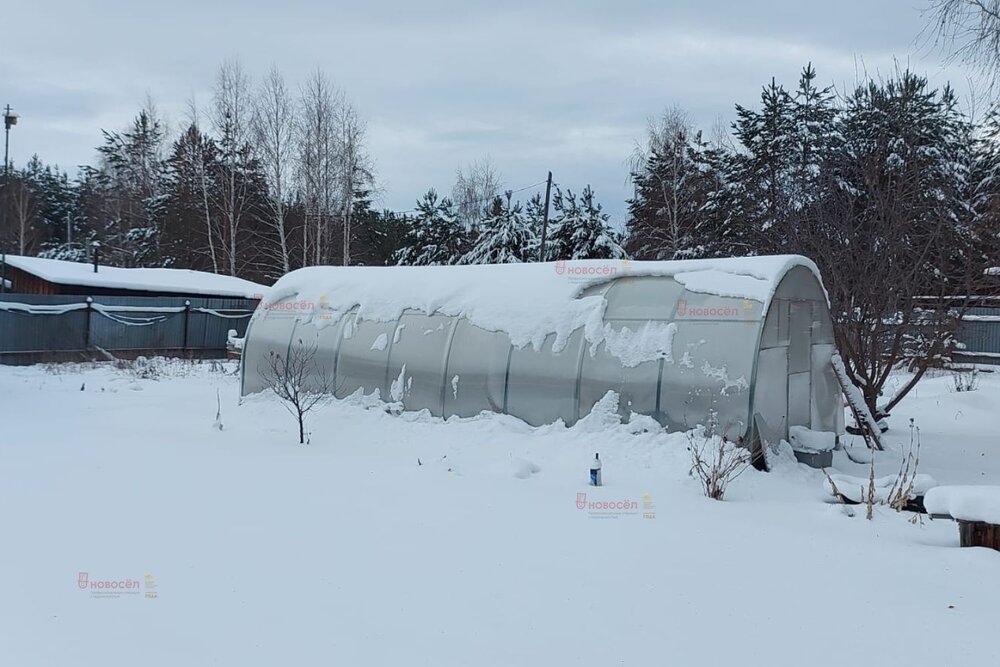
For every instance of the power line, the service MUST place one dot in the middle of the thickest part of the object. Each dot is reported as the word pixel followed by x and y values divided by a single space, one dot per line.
pixel 479 201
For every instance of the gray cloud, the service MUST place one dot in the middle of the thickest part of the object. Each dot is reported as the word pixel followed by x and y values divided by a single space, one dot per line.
pixel 565 86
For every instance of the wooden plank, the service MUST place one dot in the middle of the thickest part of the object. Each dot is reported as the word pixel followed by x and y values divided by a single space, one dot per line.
pixel 979 534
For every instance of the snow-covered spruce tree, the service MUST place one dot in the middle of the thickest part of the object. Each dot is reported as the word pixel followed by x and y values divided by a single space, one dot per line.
pixel 534 218
pixel 132 177
pixel 581 229
pixel 772 188
pixel 380 236
pixel 504 235
pixel 813 138
pixel 984 185
pixel 190 215
pixel 39 203
pixel 674 178
pixel 762 169
pixel 435 237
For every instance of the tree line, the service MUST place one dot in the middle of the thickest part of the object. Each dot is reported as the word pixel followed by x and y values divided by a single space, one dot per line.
pixel 891 188
pixel 267 179
pixel 262 181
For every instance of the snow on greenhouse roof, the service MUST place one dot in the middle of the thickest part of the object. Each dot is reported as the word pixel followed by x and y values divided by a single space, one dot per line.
pixel 528 301
pixel 185 281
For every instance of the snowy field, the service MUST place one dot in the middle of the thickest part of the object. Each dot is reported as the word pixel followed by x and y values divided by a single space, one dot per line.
pixel 259 551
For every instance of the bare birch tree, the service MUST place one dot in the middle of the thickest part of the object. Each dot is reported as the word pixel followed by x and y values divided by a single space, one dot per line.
pixel 677 203
pixel 354 170
pixel 232 116
pixel 24 209
pixel 475 188
pixel 317 164
pixel 274 137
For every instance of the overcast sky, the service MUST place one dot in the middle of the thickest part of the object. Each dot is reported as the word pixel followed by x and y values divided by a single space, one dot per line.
pixel 563 85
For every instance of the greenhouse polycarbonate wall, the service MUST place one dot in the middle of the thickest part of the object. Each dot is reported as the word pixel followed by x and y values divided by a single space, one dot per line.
pixel 742 363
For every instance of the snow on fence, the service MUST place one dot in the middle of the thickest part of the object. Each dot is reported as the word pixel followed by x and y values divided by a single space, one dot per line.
pixel 34 327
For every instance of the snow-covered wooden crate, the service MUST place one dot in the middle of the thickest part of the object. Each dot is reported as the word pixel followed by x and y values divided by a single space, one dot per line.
pixel 976 508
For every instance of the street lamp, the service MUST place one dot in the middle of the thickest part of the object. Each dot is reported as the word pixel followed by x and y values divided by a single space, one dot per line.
pixel 9 121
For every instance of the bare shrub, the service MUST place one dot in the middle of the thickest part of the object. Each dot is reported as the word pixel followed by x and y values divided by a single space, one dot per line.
pixel 965 379
pixel 716 461
pixel 142 368
pixel 298 381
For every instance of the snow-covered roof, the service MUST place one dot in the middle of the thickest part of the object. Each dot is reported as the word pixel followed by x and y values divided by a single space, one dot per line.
pixel 993 271
pixel 525 300
pixel 182 281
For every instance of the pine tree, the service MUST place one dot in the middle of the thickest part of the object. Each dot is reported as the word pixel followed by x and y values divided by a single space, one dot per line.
pixel 581 229
pixel 436 237
pixel 504 235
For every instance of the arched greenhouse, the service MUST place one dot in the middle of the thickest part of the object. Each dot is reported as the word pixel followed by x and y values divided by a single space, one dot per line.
pixel 745 344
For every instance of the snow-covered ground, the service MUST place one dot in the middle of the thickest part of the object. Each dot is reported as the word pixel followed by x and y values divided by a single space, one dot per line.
pixel 405 540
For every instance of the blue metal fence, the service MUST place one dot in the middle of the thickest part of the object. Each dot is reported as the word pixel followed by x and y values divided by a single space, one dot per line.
pixel 33 325
pixel 980 335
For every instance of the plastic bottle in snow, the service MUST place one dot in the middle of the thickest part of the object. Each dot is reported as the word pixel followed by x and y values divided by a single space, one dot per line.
pixel 595 471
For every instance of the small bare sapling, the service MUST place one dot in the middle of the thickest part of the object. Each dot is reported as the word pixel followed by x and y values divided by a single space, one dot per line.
pixel 298 381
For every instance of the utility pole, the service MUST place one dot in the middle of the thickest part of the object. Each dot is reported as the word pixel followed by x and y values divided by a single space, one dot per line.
pixel 9 120
pixel 545 218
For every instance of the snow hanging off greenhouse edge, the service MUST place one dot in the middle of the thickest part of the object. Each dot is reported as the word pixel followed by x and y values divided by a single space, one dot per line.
pixel 529 302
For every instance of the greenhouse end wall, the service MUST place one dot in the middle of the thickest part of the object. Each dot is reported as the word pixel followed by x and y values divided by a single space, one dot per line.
pixel 683 357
